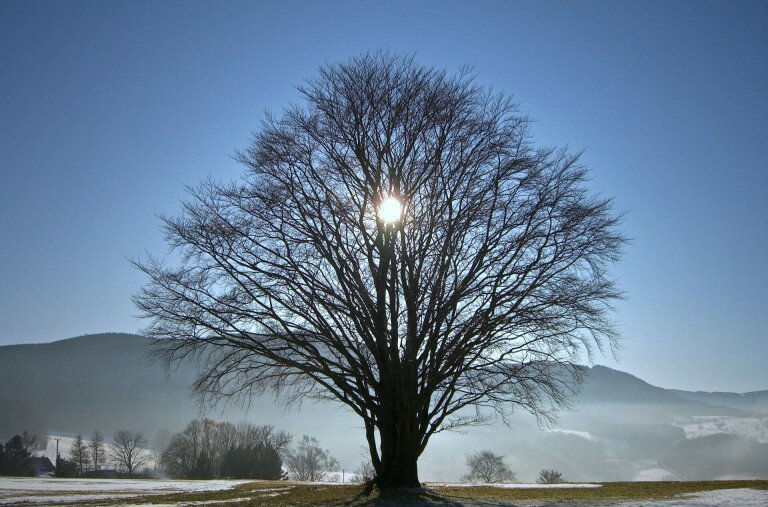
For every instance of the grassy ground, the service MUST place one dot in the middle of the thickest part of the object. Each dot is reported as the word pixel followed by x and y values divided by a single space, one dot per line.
pixel 297 494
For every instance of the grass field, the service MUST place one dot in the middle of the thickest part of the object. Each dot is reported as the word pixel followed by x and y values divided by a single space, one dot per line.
pixel 268 493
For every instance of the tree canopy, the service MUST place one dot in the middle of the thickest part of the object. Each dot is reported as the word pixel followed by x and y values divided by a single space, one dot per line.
pixel 479 293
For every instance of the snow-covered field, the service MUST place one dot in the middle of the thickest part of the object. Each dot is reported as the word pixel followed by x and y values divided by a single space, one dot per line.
pixel 514 485
pixel 719 498
pixel 701 426
pixel 44 491
pixel 61 492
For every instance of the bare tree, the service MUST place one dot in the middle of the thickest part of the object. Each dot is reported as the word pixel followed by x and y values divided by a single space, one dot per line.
pixel 365 471
pixel 129 451
pixel 33 442
pixel 550 477
pixel 98 451
pixel 399 245
pixel 80 454
pixel 310 462
pixel 487 467
pixel 182 458
pixel 197 452
pixel 267 436
pixel 201 450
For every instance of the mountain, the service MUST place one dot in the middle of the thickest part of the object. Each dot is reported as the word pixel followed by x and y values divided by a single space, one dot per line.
pixel 620 427
pixel 756 401
pixel 608 386
pixel 98 381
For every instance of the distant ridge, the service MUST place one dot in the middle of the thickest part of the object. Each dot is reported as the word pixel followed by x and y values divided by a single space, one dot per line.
pixel 754 401
pixel 82 337
pixel 94 381
pixel 105 381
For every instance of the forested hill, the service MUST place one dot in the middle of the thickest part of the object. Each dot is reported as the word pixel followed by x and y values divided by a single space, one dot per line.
pixel 105 381
pixel 606 385
pixel 99 381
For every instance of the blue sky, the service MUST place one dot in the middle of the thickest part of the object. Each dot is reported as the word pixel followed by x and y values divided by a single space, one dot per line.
pixel 109 108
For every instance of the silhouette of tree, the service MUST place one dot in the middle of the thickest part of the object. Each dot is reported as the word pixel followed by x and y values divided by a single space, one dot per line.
pixel 98 451
pixel 33 442
pixel 550 477
pixel 14 457
pixel 399 245
pixel 129 451
pixel 65 468
pixel 310 462
pixel 80 454
pixel 208 449
pixel 487 467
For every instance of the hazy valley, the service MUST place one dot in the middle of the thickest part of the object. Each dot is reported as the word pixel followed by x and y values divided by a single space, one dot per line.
pixel 619 428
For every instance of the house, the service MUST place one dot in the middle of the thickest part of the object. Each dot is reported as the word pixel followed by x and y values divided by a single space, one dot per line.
pixel 39 466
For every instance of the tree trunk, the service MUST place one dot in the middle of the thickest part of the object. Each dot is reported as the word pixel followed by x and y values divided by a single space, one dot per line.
pixel 399 454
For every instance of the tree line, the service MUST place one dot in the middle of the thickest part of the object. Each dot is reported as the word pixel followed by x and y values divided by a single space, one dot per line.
pixel 485 467
pixel 128 454
pixel 205 449
pixel 16 452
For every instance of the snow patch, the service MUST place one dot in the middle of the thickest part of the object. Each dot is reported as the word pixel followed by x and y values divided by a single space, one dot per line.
pixel 702 426
pixel 561 485
pixel 720 498
pixel 118 485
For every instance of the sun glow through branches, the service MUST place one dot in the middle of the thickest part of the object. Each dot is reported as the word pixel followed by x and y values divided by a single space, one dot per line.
pixel 390 210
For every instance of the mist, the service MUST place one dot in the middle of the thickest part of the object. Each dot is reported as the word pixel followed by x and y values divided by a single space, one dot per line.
pixel 618 428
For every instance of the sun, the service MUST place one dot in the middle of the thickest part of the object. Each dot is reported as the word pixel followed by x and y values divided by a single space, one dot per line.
pixel 390 210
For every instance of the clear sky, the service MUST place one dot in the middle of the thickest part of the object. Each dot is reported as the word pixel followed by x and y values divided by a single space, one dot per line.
pixel 107 109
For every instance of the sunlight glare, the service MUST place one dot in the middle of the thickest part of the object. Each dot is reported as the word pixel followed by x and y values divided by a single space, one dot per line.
pixel 390 210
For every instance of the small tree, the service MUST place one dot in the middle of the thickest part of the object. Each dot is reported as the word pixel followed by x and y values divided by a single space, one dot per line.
pixel 66 468
pixel 181 459
pixel 250 435
pixel 487 467
pixel 98 452
pixel 257 462
pixel 33 442
pixel 309 462
pixel 13 457
pixel 365 472
pixel 129 451
pixel 80 455
pixel 550 477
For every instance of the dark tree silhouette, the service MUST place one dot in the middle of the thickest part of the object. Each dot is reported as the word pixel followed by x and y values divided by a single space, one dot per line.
pixel 310 462
pixel 488 467
pixel 129 452
pixel 80 454
pixel 98 452
pixel 208 449
pixel 14 457
pixel 33 442
pixel 550 477
pixel 398 244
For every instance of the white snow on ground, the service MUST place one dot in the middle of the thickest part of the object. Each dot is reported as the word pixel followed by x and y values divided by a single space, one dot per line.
pixel 514 485
pixel 42 492
pixel 701 426
pixel 59 499
pixel 34 490
pixel 720 498
pixel 126 485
